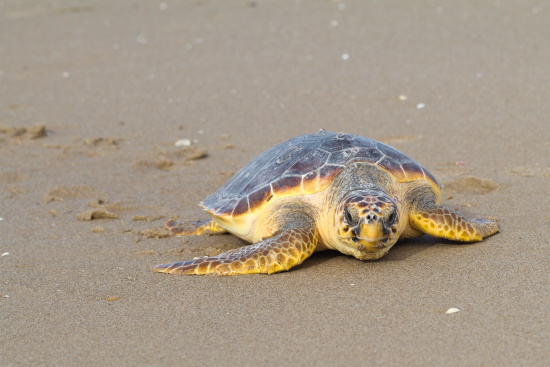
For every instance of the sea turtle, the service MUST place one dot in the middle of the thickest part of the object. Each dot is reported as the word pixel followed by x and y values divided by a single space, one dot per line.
pixel 323 191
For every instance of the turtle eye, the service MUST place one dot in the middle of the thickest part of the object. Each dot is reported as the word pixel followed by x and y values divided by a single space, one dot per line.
pixel 348 216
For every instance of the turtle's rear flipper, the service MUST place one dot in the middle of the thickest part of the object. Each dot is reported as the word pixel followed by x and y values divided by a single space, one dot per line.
pixel 194 227
pixel 282 252
pixel 446 223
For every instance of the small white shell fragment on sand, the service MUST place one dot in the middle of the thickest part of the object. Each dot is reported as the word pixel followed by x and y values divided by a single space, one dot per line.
pixel 5 296
pixel 345 56
pixel 420 106
pixel 5 254
pixel 452 310
pixel 183 143
pixel 334 23
pixel 402 97
pixel 1 219
pixel 142 39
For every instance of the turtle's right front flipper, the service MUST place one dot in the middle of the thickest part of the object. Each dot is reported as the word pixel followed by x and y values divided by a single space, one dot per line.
pixel 278 253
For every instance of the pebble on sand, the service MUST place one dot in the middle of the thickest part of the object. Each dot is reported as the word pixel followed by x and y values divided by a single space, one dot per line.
pixel 183 143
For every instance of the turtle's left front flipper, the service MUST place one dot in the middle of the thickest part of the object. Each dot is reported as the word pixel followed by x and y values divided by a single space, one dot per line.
pixel 439 221
pixel 278 253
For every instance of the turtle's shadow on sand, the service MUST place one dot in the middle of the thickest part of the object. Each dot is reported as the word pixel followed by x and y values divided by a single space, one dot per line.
pixel 406 248
pixel 401 251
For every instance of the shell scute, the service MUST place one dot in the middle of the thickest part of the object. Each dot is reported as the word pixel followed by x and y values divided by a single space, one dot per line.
pixel 355 154
pixel 242 179
pixel 312 179
pixel 412 170
pixel 370 154
pixel 293 152
pixel 224 207
pixel 329 171
pixel 313 159
pixel 429 175
pixel 259 197
pixel 263 168
pixel 286 183
pixel 340 142
pixel 392 166
pixel 241 207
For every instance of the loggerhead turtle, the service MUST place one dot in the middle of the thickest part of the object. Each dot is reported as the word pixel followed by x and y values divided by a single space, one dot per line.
pixel 323 191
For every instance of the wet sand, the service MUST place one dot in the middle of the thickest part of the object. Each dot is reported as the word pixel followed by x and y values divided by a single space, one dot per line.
pixel 94 95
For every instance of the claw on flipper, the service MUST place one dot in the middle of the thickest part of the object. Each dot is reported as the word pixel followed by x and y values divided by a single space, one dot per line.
pixel 197 266
pixel 194 227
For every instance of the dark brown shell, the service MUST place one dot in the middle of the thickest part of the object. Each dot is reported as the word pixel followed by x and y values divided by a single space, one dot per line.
pixel 305 165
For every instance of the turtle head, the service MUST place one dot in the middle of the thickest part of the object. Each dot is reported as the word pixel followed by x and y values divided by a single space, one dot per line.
pixel 367 224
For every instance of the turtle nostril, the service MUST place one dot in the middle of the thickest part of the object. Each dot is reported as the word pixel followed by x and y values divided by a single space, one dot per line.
pixel 371 217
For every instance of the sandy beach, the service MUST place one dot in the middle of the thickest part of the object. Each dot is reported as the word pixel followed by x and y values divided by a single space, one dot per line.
pixel 95 94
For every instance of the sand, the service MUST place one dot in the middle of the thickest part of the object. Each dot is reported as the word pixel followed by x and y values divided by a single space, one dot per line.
pixel 94 95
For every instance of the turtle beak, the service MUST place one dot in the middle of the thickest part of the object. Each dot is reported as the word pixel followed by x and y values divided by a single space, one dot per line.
pixel 371 233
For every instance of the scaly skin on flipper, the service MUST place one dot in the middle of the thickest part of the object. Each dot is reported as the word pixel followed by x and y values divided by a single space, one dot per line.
pixel 194 227
pixel 281 252
pixel 442 222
